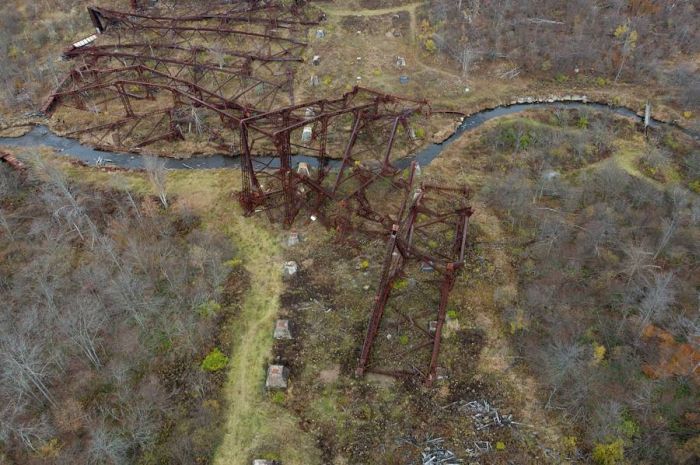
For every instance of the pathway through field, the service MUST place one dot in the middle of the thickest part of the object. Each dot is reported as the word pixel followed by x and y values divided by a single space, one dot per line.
pixel 331 10
pixel 253 422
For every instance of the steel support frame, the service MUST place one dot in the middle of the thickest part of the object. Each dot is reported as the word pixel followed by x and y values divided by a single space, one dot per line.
pixel 401 250
pixel 134 71
pixel 174 46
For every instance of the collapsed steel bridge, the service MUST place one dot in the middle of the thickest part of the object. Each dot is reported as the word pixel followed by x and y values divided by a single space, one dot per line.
pixel 225 79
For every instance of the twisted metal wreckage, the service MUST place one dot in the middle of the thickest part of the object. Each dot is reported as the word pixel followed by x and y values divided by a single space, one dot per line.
pixel 226 78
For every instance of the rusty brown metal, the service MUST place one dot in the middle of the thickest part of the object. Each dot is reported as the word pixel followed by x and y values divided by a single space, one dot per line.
pixel 148 78
pixel 13 161
pixel 424 209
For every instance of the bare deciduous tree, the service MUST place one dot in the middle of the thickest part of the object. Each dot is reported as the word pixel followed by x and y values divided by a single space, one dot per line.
pixel 83 325
pixel 157 174
pixel 658 297
pixel 26 367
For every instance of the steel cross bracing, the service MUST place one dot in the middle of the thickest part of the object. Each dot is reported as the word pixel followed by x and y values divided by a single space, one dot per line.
pixel 152 77
pixel 429 236
pixel 245 51
pixel 368 128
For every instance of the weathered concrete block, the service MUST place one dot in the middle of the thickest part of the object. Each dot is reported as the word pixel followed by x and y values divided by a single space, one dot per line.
pixel 426 267
pixel 277 376
pixel 307 134
pixel 282 330
pixel 290 269
pixel 292 239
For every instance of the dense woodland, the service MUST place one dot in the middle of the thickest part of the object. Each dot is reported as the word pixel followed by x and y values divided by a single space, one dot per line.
pixel 641 41
pixel 114 303
pixel 109 304
pixel 32 35
pixel 606 312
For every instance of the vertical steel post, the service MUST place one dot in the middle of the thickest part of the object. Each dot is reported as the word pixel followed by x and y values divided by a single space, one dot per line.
pixel 380 300
pixel 447 283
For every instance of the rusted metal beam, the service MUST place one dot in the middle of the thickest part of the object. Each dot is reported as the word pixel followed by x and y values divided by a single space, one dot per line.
pixel 13 161
pixel 249 106
pixel 445 289
pixel 386 281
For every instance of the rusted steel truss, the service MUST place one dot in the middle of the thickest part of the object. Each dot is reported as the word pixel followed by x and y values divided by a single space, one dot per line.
pixel 430 236
pixel 368 129
pixel 13 161
pixel 244 51
pixel 225 79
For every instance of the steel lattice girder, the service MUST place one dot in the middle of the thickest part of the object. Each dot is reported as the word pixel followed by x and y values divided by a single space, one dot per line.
pixel 363 125
pixel 360 139
pixel 256 70
pixel 429 214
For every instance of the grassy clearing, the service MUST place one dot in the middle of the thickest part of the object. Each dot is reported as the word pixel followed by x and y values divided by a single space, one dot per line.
pixel 253 424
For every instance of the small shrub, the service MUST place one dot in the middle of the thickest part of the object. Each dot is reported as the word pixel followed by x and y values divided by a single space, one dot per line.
pixel 208 309
pixel 500 445
pixel 233 263
pixel 364 265
pixel 671 142
pixel 609 454
pixel 629 428
pixel 601 82
pixel 400 284
pixel 561 78
pixel 655 164
pixel 278 398
pixel 570 444
pixel 327 80
pixel 420 133
pixel 582 122
pixel 452 314
pixel 160 342
pixel 13 52
pixel 214 361
pixel 598 353
pixel 403 340
pixel 517 325
pixel 695 186
pixel 50 449
pixel 430 46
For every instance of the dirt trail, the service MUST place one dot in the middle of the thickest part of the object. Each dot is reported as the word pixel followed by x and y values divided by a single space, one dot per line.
pixel 410 8
pixel 498 355
pixel 447 74
pixel 252 421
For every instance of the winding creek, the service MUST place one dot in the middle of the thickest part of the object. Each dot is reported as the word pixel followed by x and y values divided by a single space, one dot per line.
pixel 42 136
